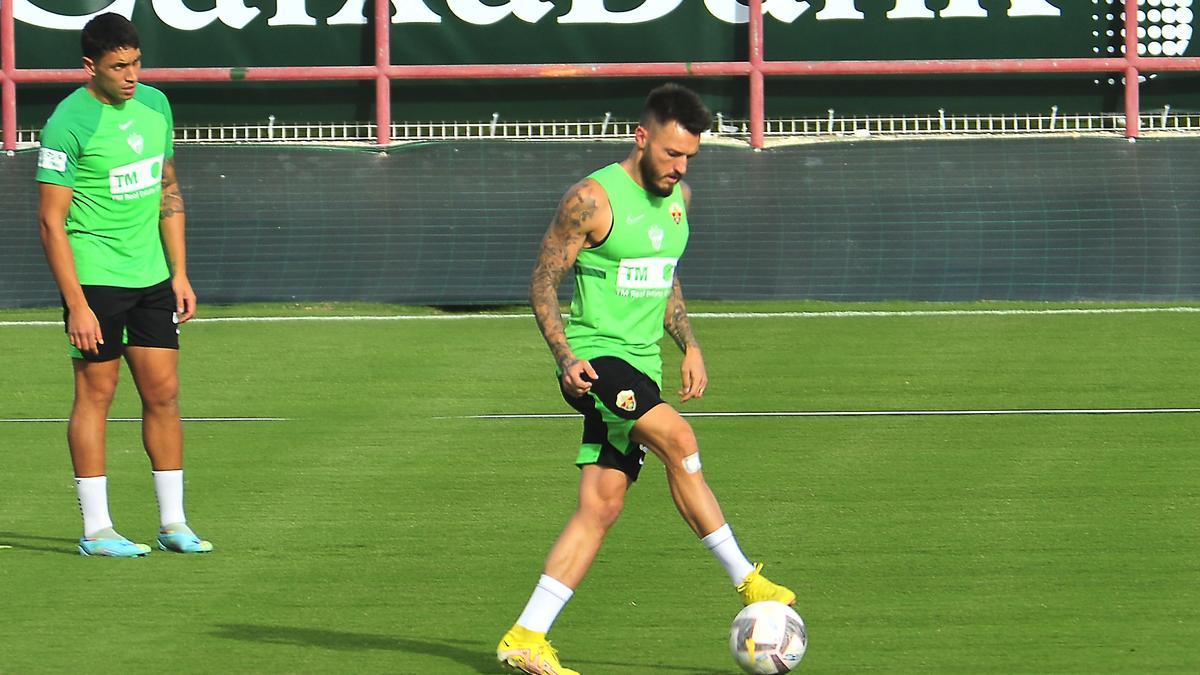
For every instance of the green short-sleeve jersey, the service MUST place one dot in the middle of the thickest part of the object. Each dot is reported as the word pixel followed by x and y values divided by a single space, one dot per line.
pixel 623 284
pixel 112 157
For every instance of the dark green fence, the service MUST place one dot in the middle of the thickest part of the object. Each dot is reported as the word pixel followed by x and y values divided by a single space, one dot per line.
pixel 459 223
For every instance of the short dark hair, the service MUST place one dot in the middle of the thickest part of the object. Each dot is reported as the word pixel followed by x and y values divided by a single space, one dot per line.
pixel 676 103
pixel 107 32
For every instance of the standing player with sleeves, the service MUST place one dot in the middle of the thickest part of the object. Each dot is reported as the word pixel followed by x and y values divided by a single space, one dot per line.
pixel 112 225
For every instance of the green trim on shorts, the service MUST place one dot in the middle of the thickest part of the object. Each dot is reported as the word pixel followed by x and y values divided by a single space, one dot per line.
pixel 73 351
pixel 589 453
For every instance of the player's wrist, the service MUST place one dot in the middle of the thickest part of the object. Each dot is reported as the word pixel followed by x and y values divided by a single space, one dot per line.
pixel 76 304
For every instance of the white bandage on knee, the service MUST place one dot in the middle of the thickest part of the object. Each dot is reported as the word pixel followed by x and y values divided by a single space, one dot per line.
pixel 691 463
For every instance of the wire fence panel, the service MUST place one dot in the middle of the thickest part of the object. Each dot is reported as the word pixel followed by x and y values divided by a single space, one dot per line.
pixel 458 222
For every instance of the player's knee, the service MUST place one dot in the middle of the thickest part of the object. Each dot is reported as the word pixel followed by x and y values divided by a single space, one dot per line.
pixel 604 511
pixel 95 391
pixel 161 394
pixel 681 442
pixel 94 397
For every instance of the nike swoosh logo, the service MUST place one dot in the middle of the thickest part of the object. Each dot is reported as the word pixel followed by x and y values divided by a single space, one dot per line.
pixel 125 125
pixel 630 220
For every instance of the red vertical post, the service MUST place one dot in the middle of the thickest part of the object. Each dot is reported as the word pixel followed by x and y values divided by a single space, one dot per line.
pixel 383 84
pixel 8 54
pixel 757 89
pixel 1133 119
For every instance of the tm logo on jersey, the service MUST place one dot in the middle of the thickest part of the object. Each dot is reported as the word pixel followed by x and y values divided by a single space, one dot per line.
pixel 645 277
pixel 137 180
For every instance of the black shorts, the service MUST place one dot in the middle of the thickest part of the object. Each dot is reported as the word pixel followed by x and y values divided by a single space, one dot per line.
pixel 134 317
pixel 618 399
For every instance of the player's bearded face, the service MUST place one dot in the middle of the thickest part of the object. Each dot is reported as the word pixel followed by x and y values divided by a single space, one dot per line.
pixel 665 154
pixel 115 74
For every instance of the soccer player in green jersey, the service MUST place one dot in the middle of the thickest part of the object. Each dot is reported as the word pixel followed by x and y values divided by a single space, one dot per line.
pixel 622 230
pixel 111 221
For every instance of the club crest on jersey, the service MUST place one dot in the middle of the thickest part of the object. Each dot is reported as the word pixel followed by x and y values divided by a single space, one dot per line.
pixel 626 400
pixel 656 237
pixel 677 213
pixel 136 142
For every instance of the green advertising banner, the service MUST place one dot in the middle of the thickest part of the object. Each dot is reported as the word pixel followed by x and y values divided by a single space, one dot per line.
pixel 194 33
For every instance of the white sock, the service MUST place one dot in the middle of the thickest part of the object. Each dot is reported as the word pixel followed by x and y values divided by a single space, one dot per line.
pixel 93 503
pixel 548 599
pixel 724 546
pixel 168 486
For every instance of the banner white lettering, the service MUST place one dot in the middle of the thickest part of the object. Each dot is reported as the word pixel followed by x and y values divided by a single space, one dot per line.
pixel 474 11
pixel 27 12
pixel 232 13
pixel 237 15
pixel 839 9
pixel 910 9
pixel 1034 8
pixel 594 11
pixel 291 13
pixel 733 11
pixel 963 8
pixel 407 11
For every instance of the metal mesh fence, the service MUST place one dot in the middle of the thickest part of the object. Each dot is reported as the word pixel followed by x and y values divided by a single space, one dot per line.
pixel 458 222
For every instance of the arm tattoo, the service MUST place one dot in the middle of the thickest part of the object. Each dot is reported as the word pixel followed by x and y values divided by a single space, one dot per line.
pixel 676 321
pixel 172 198
pixel 565 236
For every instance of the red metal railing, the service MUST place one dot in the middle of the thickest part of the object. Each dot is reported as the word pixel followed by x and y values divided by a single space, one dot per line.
pixel 755 69
pixel 8 71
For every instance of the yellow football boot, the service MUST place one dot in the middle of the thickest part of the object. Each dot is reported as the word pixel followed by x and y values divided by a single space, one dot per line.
pixel 524 651
pixel 757 588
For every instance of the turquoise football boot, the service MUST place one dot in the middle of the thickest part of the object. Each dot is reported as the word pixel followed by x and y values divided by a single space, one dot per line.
pixel 115 547
pixel 179 538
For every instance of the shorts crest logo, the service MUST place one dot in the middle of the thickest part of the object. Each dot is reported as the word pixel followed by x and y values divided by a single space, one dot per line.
pixel 626 400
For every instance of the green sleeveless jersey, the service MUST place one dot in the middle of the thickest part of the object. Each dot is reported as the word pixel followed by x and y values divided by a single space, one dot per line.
pixel 623 284
pixel 112 157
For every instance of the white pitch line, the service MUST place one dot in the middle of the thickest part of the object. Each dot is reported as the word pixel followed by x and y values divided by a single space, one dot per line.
pixel 703 315
pixel 865 413
pixel 946 312
pixel 138 419
pixel 274 319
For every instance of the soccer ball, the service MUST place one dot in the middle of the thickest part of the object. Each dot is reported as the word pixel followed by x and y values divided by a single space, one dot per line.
pixel 768 637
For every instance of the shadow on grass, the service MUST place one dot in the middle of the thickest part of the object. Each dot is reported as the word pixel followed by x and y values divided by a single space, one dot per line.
pixel 477 660
pixel 474 657
pixel 30 542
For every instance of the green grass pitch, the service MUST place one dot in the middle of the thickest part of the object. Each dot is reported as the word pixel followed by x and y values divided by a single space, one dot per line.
pixel 378 530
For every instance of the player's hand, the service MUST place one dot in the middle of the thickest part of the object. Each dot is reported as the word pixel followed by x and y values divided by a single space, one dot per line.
pixel 692 375
pixel 185 297
pixel 83 330
pixel 577 377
